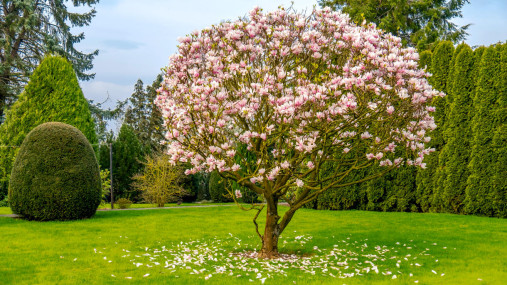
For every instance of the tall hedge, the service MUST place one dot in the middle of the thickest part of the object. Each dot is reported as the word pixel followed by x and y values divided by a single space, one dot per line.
pixel 52 94
pixel 500 141
pixel 439 68
pixel 458 133
pixel 55 175
pixel 479 188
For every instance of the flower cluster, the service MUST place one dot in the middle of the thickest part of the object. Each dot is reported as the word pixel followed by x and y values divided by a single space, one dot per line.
pixel 295 90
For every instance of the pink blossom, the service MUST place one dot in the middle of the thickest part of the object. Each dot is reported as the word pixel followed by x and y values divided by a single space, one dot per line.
pixel 310 165
pixel 238 194
pixel 300 183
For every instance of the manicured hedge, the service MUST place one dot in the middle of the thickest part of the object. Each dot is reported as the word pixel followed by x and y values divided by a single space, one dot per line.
pixel 55 175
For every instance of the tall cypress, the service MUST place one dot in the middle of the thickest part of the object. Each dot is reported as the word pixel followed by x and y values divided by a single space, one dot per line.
pixel 440 173
pixel 439 69
pixel 479 188
pixel 500 140
pixel 458 133
pixel 52 95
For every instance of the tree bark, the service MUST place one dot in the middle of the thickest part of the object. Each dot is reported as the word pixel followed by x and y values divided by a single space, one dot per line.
pixel 272 231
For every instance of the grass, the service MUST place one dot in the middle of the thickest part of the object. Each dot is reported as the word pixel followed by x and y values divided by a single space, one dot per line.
pixel 469 249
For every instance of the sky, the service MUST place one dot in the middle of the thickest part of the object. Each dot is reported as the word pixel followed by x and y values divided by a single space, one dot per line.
pixel 135 38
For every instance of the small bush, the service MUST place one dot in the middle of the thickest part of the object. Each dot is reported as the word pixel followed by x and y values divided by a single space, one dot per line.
pixel 160 181
pixel 123 203
pixel 4 202
pixel 55 175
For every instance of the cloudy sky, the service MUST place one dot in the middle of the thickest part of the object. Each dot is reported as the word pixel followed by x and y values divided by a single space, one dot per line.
pixel 136 38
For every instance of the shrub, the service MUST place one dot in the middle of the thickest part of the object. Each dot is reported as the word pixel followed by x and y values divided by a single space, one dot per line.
pixel 55 175
pixel 4 202
pixel 160 181
pixel 123 203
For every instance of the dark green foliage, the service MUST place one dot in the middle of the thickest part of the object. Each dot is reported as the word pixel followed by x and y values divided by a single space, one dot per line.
pixel 128 155
pixel 479 189
pixel 426 177
pixel 55 175
pixel 32 28
pixel 53 94
pixel 144 117
pixel 419 24
pixel 500 141
pixel 425 60
pixel 218 188
pixel 458 133
pixel 200 182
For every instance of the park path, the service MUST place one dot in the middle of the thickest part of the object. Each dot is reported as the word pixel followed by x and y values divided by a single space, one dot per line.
pixel 154 208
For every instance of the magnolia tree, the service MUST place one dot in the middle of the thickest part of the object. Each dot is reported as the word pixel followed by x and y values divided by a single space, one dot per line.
pixel 301 94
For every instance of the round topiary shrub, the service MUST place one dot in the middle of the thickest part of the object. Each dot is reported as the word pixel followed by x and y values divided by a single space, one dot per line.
pixel 55 175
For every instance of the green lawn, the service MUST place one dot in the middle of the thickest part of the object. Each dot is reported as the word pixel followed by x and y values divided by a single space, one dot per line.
pixel 181 245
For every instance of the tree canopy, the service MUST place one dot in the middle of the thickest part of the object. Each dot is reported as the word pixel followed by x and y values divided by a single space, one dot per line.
pixel 29 30
pixel 418 23
pixel 300 92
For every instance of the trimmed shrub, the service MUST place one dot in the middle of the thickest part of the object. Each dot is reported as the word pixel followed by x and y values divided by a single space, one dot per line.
pixel 55 175
pixel 52 95
pixel 217 188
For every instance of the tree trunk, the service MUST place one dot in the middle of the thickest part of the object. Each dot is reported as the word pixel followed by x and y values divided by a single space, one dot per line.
pixel 272 232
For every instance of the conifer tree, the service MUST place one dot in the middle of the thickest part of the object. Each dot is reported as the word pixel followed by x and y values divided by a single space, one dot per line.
pixel 439 69
pixel 440 173
pixel 479 188
pixel 458 133
pixel 32 28
pixel 143 115
pixel 500 140
pixel 52 95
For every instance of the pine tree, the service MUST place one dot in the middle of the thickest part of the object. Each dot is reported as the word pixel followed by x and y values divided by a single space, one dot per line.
pixel 439 68
pixel 52 95
pixel 419 24
pixel 143 115
pixel 458 133
pixel 479 184
pixel 32 28
pixel 500 140
pixel 128 157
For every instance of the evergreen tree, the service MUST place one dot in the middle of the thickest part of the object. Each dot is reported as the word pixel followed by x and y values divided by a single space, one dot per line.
pixel 420 24
pixel 52 95
pixel 439 68
pixel 32 28
pixel 500 141
pixel 458 133
pixel 479 188
pixel 128 157
pixel 143 115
